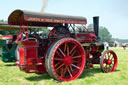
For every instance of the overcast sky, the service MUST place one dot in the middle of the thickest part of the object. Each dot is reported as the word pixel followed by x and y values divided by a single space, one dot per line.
pixel 113 13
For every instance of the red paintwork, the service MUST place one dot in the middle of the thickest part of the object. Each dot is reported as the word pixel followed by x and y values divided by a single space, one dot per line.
pixel 67 59
pixel 52 32
pixel 22 56
pixel 109 61
pixel 29 61
pixel 44 20
pixel 19 17
pixel 86 37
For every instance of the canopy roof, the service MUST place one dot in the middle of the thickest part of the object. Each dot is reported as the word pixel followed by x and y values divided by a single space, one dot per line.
pixel 19 17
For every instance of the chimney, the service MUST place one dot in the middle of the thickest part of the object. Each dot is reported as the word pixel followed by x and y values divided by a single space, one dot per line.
pixel 96 26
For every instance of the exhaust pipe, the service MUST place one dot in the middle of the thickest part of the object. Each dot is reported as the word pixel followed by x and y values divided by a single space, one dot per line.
pixel 96 26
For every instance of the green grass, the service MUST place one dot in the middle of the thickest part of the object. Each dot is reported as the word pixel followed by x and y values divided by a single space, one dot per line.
pixel 11 75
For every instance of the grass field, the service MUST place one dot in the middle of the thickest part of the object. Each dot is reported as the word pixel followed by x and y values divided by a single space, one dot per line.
pixel 11 75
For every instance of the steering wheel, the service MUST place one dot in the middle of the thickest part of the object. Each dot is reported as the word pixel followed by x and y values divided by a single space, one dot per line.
pixel 62 30
pixel 58 31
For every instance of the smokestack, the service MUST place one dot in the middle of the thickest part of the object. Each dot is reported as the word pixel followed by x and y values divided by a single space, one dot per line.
pixel 96 26
pixel 44 5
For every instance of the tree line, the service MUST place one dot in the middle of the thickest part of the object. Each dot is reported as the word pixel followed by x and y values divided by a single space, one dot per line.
pixel 104 34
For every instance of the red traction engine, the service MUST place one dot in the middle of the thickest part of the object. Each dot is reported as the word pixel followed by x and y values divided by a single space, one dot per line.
pixel 65 51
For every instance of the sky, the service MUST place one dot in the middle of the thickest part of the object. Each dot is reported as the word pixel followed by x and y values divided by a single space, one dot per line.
pixel 113 13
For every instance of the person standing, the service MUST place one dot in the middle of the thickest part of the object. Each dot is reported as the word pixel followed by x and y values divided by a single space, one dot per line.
pixel 124 46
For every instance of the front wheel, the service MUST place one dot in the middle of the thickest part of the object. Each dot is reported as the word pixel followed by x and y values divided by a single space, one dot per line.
pixel 108 61
pixel 65 60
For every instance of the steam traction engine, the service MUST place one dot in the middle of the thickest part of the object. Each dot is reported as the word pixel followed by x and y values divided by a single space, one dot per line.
pixel 7 44
pixel 65 51
pixel 8 48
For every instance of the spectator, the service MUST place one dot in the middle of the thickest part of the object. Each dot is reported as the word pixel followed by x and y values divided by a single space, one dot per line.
pixel 124 45
pixel 106 45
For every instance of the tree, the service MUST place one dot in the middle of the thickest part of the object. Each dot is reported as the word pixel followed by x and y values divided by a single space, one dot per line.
pixel 90 27
pixel 2 20
pixel 104 34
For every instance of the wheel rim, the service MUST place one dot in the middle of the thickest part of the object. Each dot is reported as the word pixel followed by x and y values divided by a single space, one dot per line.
pixel 109 61
pixel 68 60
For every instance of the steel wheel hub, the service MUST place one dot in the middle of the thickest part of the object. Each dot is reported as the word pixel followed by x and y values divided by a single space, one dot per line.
pixel 109 62
pixel 68 60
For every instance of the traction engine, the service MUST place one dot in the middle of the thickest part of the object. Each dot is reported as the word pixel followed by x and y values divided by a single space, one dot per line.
pixel 8 48
pixel 65 51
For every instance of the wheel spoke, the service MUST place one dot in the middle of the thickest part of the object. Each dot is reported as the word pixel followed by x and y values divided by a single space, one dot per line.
pixel 61 52
pixel 72 49
pixel 75 66
pixel 61 73
pixel 112 65
pixel 60 66
pixel 71 68
pixel 108 57
pixel 65 46
pixel 77 56
pixel 58 54
pixel 57 64
pixel 67 50
pixel 73 53
pixel 65 69
pixel 105 57
pixel 69 73
pixel 58 59
pixel 109 67
pixel 106 68
pixel 75 61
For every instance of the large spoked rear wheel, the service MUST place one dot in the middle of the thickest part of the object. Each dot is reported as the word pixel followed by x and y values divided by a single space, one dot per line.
pixel 108 61
pixel 65 60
